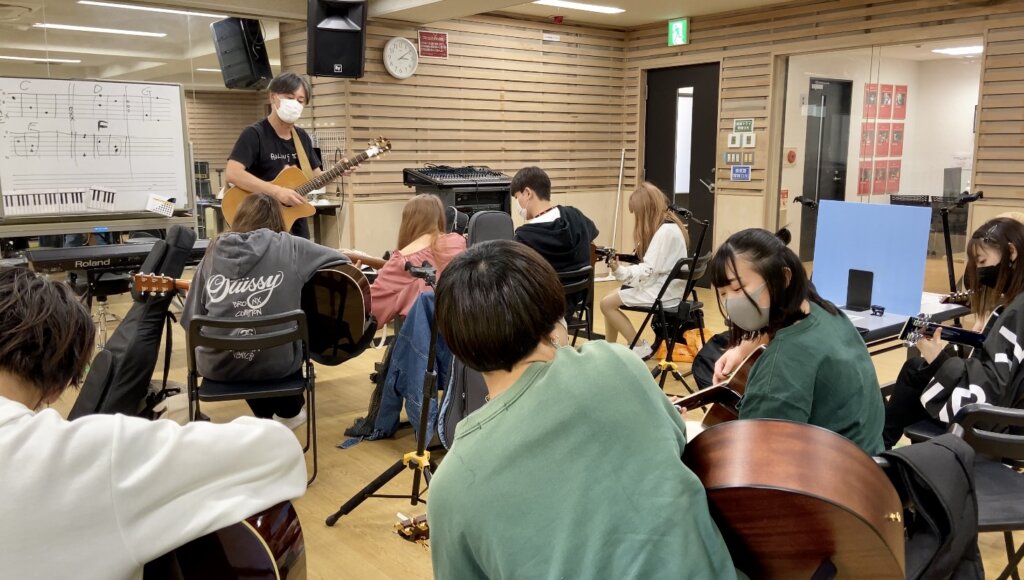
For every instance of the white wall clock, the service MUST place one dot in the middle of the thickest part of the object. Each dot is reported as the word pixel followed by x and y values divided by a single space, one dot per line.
pixel 400 57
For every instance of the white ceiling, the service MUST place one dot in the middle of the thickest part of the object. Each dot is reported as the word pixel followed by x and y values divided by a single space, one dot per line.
pixel 640 12
pixel 173 58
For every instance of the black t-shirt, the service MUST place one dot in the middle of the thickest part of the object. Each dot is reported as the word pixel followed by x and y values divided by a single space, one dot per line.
pixel 264 154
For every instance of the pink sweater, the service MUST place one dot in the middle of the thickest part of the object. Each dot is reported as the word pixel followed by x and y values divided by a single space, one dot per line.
pixel 394 290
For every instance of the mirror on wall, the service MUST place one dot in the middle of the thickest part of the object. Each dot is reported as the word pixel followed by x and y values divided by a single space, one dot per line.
pixel 880 125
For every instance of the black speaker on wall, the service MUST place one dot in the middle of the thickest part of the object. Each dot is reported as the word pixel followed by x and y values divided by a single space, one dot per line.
pixel 241 53
pixel 336 38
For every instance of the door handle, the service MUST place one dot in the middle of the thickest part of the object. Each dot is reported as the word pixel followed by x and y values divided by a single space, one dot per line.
pixel 710 186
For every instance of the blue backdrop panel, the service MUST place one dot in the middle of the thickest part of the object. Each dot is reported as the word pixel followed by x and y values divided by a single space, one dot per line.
pixel 889 240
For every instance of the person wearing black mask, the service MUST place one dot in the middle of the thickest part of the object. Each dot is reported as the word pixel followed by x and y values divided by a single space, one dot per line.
pixel 936 385
pixel 815 368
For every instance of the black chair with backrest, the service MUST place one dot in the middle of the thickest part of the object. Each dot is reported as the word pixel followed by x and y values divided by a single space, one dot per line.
pixel 579 301
pixel 489 225
pixel 669 323
pixel 1000 484
pixel 286 329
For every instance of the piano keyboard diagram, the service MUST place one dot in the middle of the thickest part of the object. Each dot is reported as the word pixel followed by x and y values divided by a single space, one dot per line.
pixel 81 147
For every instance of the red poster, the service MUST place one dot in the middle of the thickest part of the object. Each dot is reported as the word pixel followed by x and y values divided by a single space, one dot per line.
pixel 893 179
pixel 881 177
pixel 899 105
pixel 433 44
pixel 896 140
pixel 882 140
pixel 864 178
pixel 867 140
pixel 870 101
pixel 885 102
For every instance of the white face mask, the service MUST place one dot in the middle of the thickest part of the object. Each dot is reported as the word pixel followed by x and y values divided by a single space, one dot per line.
pixel 522 210
pixel 289 110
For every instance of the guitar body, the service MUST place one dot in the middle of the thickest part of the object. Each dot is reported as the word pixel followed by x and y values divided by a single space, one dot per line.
pixel 336 301
pixel 290 178
pixel 789 496
pixel 266 546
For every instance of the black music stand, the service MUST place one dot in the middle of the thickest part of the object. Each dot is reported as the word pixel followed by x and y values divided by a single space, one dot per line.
pixel 964 199
pixel 419 460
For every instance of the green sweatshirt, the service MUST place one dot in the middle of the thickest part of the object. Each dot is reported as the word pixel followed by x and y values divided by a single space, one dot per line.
pixel 574 472
pixel 818 371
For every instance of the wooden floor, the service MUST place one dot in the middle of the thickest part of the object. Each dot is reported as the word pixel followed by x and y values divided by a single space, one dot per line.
pixel 362 544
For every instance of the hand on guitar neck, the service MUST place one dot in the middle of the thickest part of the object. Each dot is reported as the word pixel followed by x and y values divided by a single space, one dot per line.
pixel 362 259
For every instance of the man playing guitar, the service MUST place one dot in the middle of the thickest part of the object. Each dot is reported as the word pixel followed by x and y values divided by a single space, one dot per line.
pixel 267 146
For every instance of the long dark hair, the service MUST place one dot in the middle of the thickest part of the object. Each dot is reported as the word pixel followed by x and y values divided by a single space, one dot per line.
pixel 769 257
pixel 997 234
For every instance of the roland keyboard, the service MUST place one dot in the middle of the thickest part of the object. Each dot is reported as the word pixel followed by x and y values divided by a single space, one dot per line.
pixel 125 257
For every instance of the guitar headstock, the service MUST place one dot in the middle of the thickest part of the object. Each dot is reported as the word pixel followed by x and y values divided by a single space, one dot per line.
pixel 413 529
pixel 959 298
pixel 915 329
pixel 152 284
pixel 378 146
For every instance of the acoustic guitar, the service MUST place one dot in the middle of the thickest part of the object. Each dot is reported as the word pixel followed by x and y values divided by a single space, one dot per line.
pixel 266 546
pixel 798 501
pixel 294 178
pixel 724 397
pixel 336 301
pixel 158 285
pixel 918 327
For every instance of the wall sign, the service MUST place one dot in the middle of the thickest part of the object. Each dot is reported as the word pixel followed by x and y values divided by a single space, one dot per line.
pixel 433 44
pixel 678 31
pixel 743 125
pixel 739 173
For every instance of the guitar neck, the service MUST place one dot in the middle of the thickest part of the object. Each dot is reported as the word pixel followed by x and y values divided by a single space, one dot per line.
pixel 918 328
pixel 331 174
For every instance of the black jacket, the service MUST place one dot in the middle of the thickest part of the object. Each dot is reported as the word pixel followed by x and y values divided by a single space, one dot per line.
pixel 565 242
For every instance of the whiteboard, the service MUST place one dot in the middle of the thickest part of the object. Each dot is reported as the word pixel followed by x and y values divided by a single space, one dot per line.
pixel 80 147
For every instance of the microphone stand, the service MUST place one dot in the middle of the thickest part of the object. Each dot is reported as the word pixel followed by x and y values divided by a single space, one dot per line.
pixel 419 460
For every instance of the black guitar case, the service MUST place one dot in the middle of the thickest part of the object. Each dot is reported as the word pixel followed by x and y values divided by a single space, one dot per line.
pixel 120 375
pixel 466 393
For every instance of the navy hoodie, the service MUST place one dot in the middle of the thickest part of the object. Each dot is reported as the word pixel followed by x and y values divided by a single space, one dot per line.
pixel 248 275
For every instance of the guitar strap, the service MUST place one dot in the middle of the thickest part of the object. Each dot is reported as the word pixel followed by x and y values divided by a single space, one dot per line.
pixel 307 169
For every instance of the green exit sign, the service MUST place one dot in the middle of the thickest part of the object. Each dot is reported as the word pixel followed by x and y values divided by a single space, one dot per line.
pixel 678 31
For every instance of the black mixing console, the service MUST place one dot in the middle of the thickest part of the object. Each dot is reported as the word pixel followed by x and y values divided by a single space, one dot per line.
pixel 469 189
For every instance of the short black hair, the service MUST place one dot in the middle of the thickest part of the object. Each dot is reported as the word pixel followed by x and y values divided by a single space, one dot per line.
pixel 46 334
pixel 496 302
pixel 288 82
pixel 533 177
pixel 769 256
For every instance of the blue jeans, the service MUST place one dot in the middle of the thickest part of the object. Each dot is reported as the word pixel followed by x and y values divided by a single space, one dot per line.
pixel 405 373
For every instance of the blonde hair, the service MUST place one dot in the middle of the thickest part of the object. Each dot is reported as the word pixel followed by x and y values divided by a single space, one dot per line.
pixel 423 214
pixel 649 207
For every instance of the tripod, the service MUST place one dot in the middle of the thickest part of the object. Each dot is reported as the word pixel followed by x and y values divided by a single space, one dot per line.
pixel 419 460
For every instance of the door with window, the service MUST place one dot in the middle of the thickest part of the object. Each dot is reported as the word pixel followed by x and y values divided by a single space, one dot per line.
pixel 827 144
pixel 681 134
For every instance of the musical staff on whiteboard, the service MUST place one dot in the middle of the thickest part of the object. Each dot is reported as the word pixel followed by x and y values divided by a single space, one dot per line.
pixel 99 107
pixel 59 144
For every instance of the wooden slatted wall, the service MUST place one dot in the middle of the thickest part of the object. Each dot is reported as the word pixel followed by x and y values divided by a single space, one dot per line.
pixel 747 42
pixel 504 98
pixel 215 118
pixel 999 166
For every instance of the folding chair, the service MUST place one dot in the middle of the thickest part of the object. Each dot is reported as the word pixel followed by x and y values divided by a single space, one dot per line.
pixel 579 301
pixel 999 486
pixel 290 328
pixel 669 323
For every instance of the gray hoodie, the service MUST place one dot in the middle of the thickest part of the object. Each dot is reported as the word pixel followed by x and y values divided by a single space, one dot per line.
pixel 247 275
